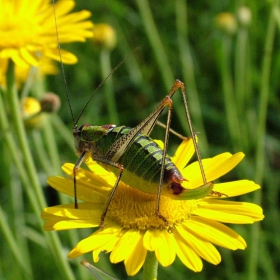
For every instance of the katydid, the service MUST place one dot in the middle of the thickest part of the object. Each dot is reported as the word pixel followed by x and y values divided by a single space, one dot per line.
pixel 136 159
pixel 133 156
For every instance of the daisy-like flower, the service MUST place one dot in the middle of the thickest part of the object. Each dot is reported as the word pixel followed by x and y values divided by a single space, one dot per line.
pixel 131 228
pixel 28 30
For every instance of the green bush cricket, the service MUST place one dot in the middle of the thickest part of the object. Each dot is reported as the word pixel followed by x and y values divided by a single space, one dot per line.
pixel 133 156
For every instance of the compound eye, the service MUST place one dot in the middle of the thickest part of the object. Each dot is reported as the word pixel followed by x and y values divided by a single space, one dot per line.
pixel 77 131
pixel 80 128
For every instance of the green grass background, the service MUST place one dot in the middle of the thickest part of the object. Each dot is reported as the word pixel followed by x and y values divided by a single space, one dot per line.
pixel 232 82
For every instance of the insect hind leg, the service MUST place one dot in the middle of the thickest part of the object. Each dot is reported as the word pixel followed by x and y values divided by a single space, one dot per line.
pixel 178 84
pixel 168 102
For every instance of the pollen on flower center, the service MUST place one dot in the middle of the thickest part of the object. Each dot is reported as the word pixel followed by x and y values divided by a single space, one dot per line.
pixel 132 208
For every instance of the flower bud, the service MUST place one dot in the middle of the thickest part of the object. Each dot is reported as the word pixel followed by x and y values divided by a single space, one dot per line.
pixel 227 23
pixel 244 16
pixel 104 36
pixel 50 102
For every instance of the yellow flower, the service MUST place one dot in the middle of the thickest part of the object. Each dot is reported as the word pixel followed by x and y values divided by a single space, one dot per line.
pixel 28 30
pixel 131 228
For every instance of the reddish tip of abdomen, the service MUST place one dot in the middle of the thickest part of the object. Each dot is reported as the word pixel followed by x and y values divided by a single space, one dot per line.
pixel 175 178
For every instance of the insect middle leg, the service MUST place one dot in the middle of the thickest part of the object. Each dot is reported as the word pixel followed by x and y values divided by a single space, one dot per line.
pixel 120 167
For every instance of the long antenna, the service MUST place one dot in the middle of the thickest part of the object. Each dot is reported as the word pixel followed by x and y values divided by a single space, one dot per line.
pixel 102 83
pixel 64 76
pixel 62 67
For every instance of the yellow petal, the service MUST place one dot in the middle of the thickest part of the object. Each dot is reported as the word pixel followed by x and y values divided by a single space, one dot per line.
pixel 66 57
pixel 29 57
pixel 94 241
pixel 163 244
pixel 98 175
pixel 229 211
pixel 85 190
pixel 15 56
pixel 151 238
pixel 214 168
pixel 107 246
pixel 64 7
pixel 51 221
pixel 187 255
pixel 72 224
pixel 85 211
pixel 125 246
pixel 203 248
pixel 135 261
pixel 183 154
pixel 236 188
pixel 215 233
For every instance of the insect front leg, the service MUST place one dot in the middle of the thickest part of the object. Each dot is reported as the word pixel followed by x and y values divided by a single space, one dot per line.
pixel 75 171
pixel 120 167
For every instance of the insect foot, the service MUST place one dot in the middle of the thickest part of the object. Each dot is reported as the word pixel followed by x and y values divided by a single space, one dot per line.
pixel 162 218
pixel 218 194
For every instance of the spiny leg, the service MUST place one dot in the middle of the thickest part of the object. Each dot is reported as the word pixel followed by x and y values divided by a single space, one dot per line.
pixel 75 171
pixel 165 102
pixel 178 84
pixel 182 137
pixel 121 168
pixel 168 102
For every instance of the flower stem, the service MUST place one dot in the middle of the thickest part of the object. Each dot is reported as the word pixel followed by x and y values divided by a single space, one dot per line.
pixel 21 134
pixel 228 89
pixel 34 184
pixel 260 157
pixel 150 267
pixel 14 247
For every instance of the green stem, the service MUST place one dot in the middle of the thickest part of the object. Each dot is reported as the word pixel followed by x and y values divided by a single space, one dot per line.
pixel 48 155
pixel 109 89
pixel 241 69
pixel 260 158
pixel 34 184
pixel 21 134
pixel 228 89
pixel 62 130
pixel 242 80
pixel 150 267
pixel 10 239
pixel 28 83
pixel 41 152
pixel 155 41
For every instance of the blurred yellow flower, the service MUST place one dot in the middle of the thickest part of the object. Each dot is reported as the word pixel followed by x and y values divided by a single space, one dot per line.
pixel 31 111
pixel 28 30
pixel 104 36
pixel 227 23
pixel 131 228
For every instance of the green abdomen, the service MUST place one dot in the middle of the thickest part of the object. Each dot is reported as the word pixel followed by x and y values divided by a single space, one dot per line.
pixel 142 160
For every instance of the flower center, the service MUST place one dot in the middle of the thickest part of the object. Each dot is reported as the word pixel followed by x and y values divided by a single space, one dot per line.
pixel 132 208
pixel 17 32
